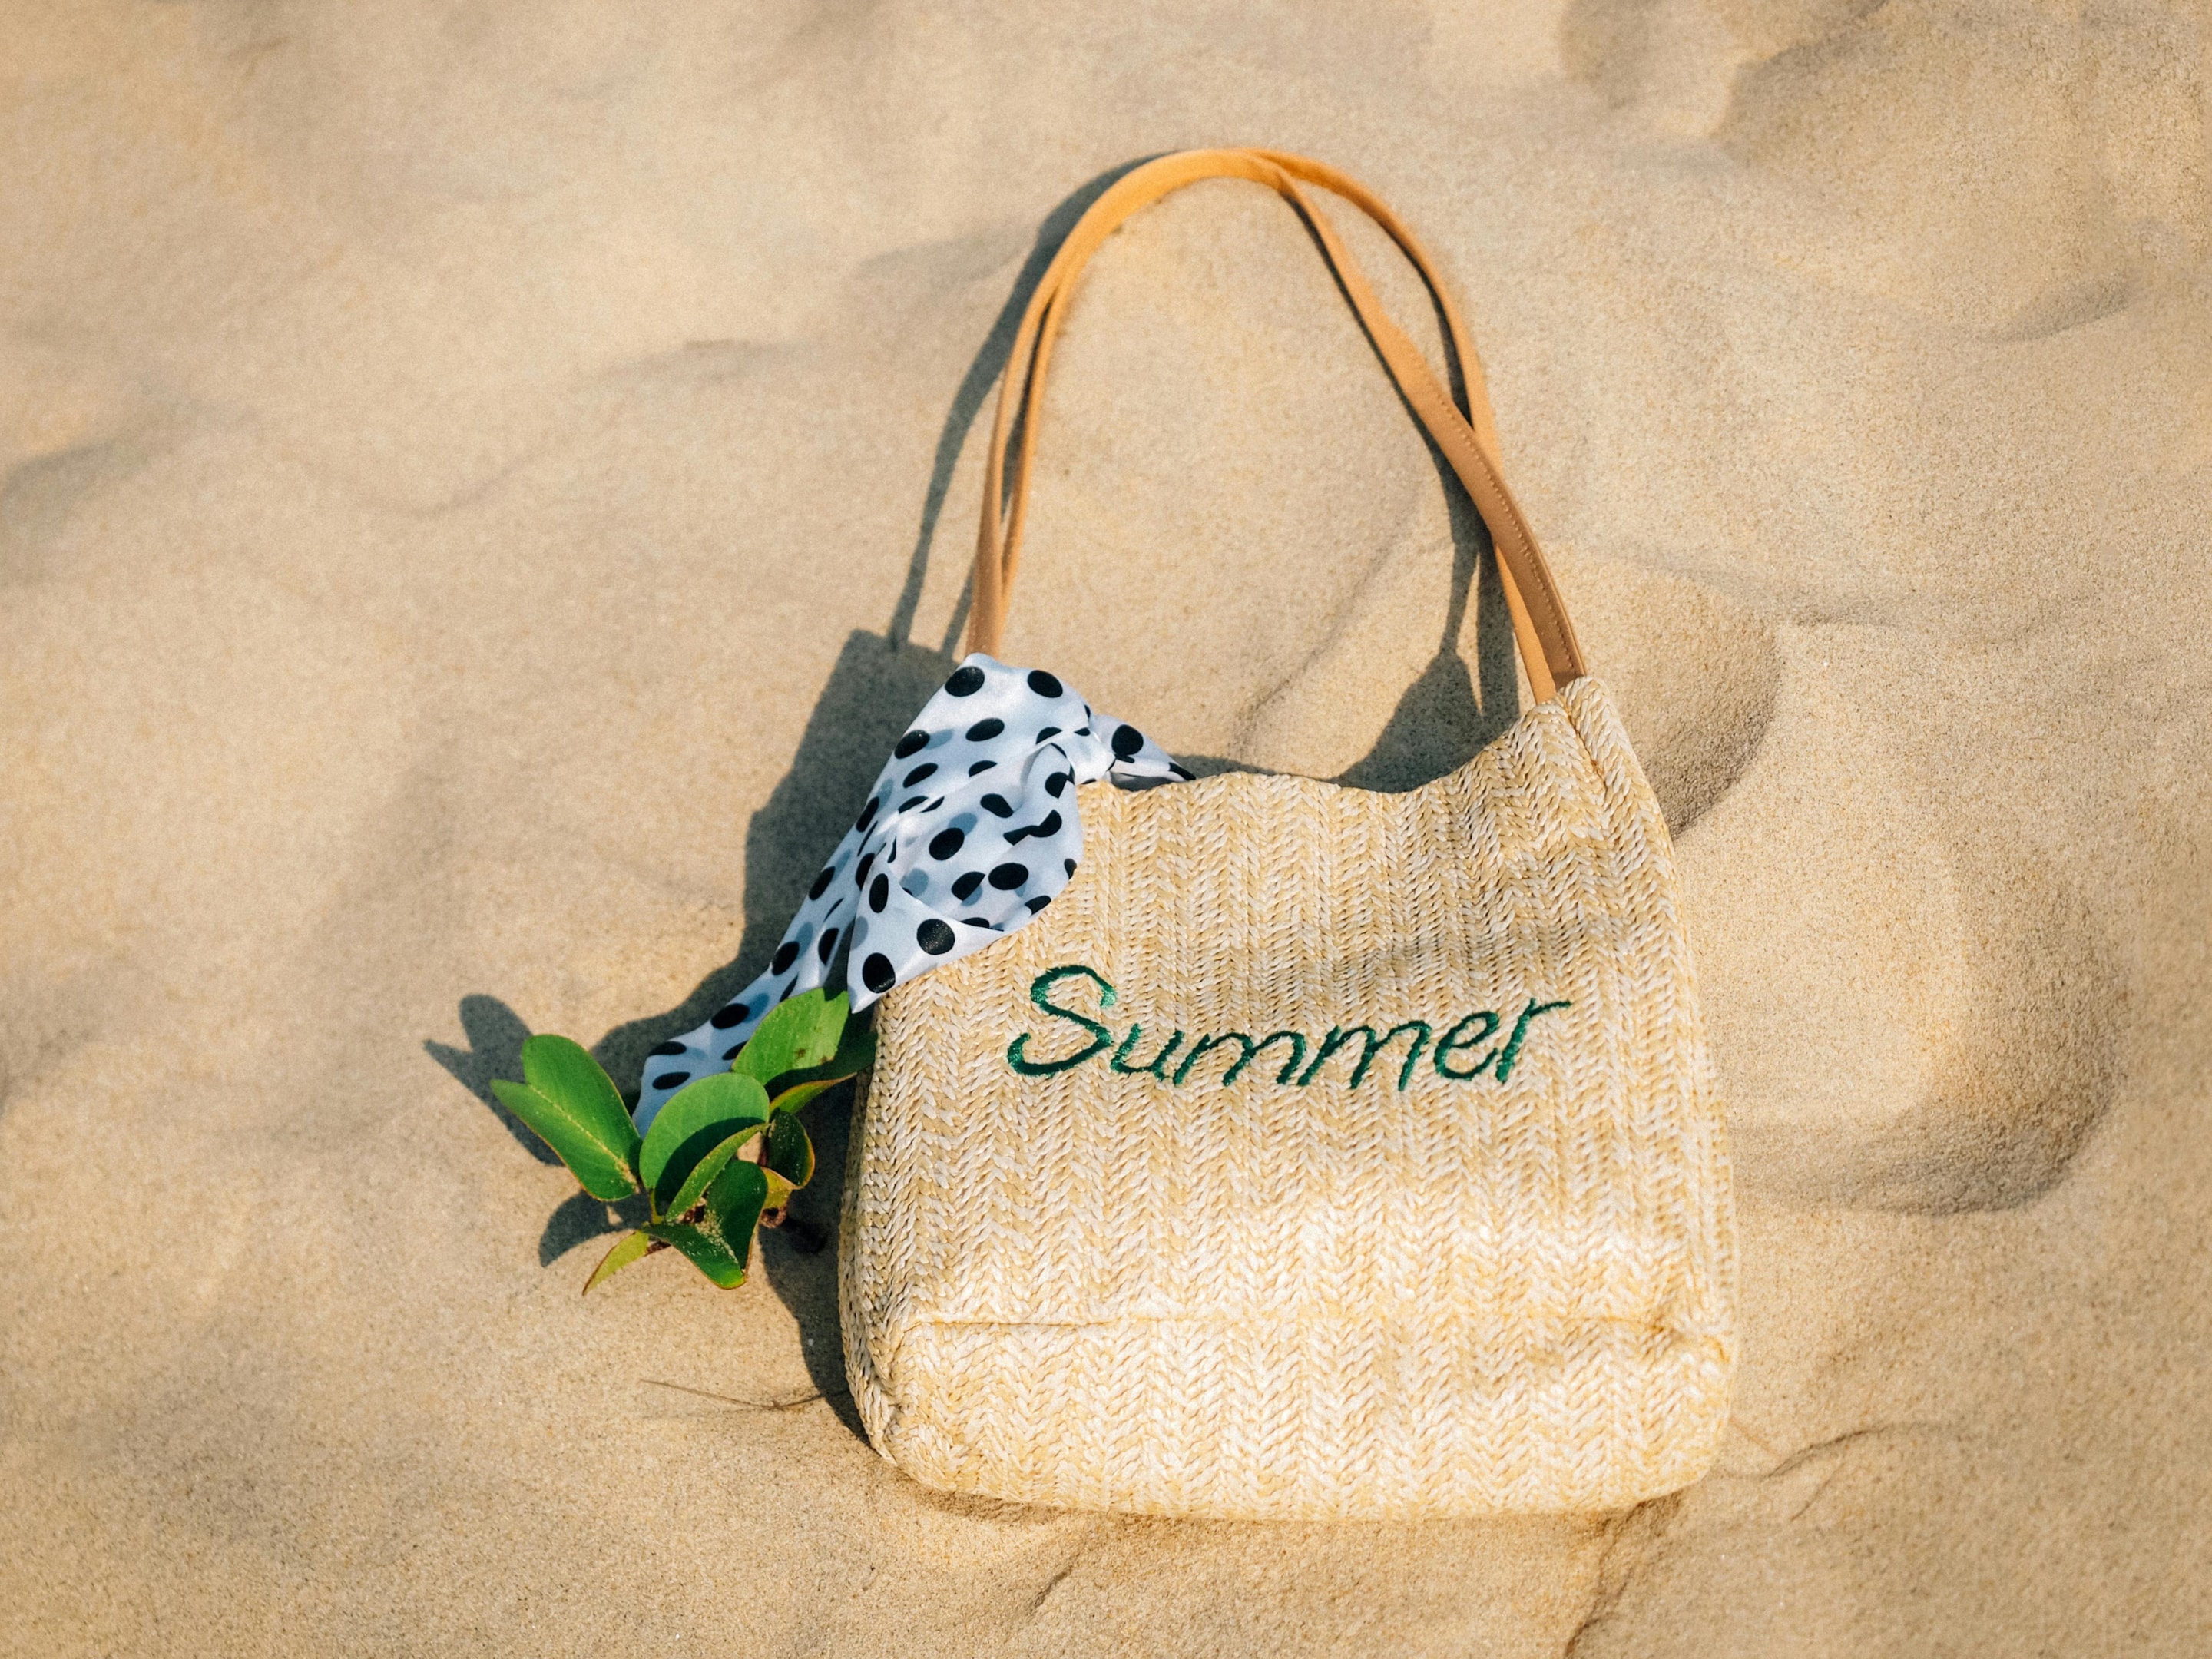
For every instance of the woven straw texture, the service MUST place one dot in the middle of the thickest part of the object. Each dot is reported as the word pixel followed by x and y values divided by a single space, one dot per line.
pixel 1099 1288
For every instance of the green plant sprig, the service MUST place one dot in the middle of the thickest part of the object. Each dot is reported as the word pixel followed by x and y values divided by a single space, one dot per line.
pixel 724 1154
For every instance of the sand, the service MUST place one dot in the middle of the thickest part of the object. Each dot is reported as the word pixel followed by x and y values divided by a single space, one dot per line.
pixel 483 485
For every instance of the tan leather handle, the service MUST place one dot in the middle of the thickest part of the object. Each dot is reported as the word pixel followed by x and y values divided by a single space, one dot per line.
pixel 1468 437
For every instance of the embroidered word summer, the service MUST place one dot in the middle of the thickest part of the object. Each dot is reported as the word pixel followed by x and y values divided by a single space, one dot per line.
pixel 1471 1048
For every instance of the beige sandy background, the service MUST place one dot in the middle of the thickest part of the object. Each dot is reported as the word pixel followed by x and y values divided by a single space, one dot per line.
pixel 485 483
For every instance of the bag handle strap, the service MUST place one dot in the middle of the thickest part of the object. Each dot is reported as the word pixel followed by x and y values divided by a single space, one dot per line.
pixel 1467 435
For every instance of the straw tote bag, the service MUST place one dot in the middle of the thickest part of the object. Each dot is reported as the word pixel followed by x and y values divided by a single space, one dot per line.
pixel 1318 1153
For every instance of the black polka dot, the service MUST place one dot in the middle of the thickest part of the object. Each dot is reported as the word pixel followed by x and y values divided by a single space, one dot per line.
pixel 670 1080
pixel 944 843
pixel 876 973
pixel 1050 732
pixel 1007 877
pixel 911 743
pixel 860 875
pixel 934 937
pixel 1082 731
pixel 1128 740
pixel 920 773
pixel 867 817
pixel 731 1052
pixel 1070 863
pixel 1182 772
pixel 734 1015
pixel 981 766
pixel 996 806
pixel 1056 782
pixel 880 894
pixel 965 889
pixel 822 882
pixel 1037 904
pixel 670 1049
pixel 786 954
pixel 979 921
pixel 964 683
pixel 1043 684
pixel 934 805
pixel 827 944
pixel 984 730
pixel 911 802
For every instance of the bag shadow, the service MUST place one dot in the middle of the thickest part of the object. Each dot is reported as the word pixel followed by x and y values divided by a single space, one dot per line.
pixel 1448 715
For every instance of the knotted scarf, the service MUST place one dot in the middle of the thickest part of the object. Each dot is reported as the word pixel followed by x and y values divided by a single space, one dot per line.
pixel 970 830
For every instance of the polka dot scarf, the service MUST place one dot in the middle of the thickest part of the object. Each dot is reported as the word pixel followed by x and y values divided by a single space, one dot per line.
pixel 971 831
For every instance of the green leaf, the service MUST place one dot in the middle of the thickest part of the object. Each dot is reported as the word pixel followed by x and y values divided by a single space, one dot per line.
pixel 631 1247
pixel 735 1199
pixel 789 1152
pixel 797 1034
pixel 856 1052
pixel 721 1242
pixel 692 1123
pixel 566 1074
pixel 599 1160
pixel 707 1169
pixel 561 1072
pixel 779 1194
pixel 706 1251
pixel 796 1097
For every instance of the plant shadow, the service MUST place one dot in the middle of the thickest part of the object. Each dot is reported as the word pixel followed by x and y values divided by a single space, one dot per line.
pixel 878 680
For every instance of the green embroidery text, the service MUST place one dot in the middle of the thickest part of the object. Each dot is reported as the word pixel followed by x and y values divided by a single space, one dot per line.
pixel 1469 1049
